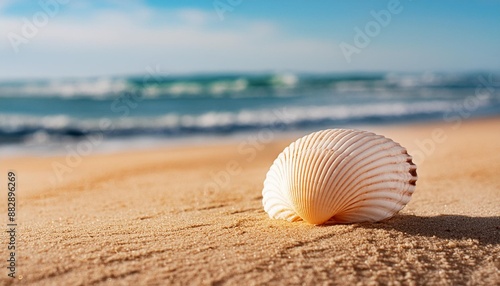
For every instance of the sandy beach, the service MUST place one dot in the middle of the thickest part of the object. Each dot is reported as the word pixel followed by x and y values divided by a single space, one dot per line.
pixel 193 215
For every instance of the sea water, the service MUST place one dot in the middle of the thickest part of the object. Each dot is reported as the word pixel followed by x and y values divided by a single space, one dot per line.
pixel 40 113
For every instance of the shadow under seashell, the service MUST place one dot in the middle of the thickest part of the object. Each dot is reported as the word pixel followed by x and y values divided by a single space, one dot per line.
pixel 339 175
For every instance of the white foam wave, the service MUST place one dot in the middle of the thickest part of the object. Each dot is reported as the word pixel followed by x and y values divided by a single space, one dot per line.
pixel 96 88
pixel 285 80
pixel 250 118
pixel 426 79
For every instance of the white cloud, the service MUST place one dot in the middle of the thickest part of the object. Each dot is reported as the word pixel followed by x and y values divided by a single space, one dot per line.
pixel 193 16
pixel 186 40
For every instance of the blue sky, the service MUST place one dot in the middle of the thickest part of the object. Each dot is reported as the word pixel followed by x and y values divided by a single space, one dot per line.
pixel 100 38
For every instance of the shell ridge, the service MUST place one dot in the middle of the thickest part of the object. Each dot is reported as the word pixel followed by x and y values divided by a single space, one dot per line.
pixel 274 184
pixel 305 210
pixel 380 204
pixel 329 161
pixel 311 156
pixel 339 154
pixel 370 180
pixel 297 172
pixel 316 177
pixel 329 164
pixel 344 167
pixel 364 165
pixel 368 173
pixel 304 154
pixel 314 194
pixel 382 195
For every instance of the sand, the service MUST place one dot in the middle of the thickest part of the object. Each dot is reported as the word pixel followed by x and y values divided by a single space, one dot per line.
pixel 193 215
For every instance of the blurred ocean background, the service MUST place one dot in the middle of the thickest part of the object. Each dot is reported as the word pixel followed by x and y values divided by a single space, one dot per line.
pixel 121 74
pixel 46 113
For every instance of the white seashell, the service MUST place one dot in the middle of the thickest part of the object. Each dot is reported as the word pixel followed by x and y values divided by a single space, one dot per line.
pixel 339 176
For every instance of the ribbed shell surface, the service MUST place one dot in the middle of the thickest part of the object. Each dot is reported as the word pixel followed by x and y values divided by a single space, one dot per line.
pixel 339 175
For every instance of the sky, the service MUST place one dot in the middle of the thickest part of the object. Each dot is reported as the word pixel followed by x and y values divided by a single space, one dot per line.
pixel 70 38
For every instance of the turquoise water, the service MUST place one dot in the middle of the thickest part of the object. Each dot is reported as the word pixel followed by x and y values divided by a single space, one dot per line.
pixel 218 105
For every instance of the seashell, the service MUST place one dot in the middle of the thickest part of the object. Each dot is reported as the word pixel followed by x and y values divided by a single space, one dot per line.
pixel 339 176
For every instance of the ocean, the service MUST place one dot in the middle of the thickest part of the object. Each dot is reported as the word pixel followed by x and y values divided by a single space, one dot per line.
pixel 38 114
